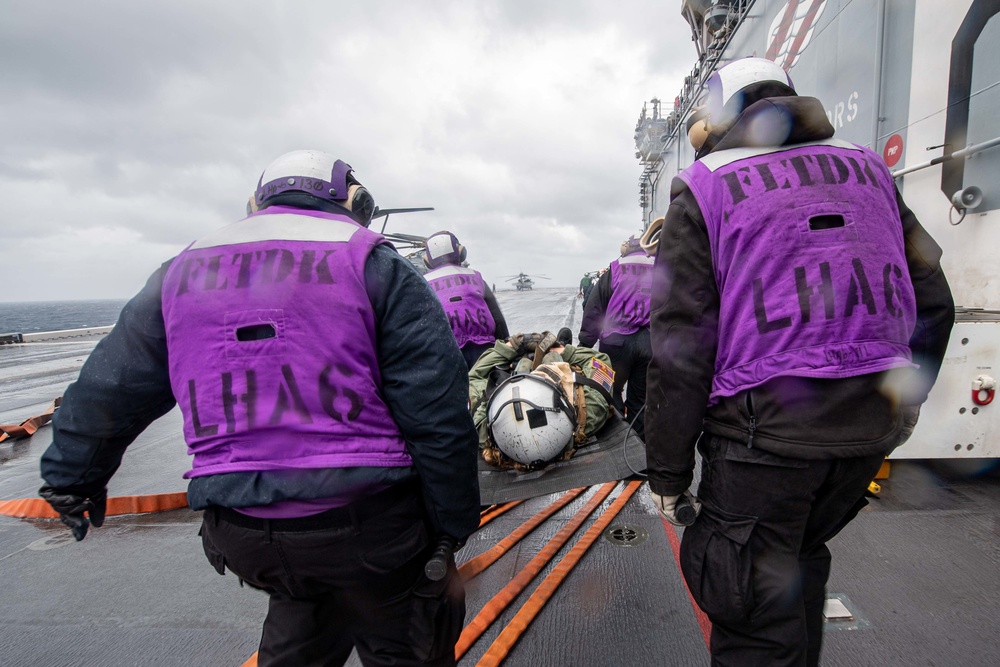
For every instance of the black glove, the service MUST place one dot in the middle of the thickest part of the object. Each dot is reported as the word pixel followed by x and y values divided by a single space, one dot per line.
pixel 437 567
pixel 73 509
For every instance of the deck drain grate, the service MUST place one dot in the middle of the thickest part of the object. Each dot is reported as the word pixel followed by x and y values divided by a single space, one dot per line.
pixel 626 536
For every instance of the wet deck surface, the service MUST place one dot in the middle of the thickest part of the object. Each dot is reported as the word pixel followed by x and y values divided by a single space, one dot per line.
pixel 920 567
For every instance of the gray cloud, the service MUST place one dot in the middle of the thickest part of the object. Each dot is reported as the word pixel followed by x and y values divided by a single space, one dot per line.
pixel 132 128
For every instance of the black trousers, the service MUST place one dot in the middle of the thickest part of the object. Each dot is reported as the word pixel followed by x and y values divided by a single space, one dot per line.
pixel 348 578
pixel 630 356
pixel 756 559
pixel 472 351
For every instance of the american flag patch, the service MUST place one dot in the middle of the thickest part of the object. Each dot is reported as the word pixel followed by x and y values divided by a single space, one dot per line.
pixel 603 374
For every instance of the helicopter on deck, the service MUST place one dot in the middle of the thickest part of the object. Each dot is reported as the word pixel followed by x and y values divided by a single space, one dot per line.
pixel 414 243
pixel 523 281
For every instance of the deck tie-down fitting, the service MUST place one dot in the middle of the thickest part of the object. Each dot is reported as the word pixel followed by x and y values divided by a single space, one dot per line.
pixel 984 384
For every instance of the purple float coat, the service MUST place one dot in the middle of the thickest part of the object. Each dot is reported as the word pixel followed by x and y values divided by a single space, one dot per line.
pixel 270 335
pixel 461 291
pixel 845 306
pixel 631 285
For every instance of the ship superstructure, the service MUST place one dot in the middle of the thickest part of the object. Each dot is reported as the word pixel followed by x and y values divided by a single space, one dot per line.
pixel 919 83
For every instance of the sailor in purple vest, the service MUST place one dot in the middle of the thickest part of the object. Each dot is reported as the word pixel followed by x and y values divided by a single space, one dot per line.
pixel 472 310
pixel 617 314
pixel 324 404
pixel 799 318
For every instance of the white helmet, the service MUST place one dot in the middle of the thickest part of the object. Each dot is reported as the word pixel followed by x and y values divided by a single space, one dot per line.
pixel 443 248
pixel 304 178
pixel 530 420
pixel 726 85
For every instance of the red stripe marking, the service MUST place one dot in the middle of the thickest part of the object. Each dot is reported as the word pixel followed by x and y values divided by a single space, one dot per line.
pixel 800 37
pixel 786 23
pixel 675 546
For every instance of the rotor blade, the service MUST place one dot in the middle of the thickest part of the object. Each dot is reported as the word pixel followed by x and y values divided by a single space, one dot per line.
pixel 409 238
pixel 389 211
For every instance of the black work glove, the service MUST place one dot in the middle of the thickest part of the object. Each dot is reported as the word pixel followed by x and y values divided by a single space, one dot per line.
pixel 73 510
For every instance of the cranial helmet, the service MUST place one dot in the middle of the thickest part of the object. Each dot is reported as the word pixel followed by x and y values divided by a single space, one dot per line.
pixel 530 420
pixel 314 180
pixel 630 245
pixel 443 248
pixel 741 83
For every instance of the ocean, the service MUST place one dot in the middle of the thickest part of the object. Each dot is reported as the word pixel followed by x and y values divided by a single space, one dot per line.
pixel 34 316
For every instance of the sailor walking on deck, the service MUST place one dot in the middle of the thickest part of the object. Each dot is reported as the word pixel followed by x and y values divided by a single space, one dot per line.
pixel 324 401
pixel 792 290
pixel 472 310
pixel 617 314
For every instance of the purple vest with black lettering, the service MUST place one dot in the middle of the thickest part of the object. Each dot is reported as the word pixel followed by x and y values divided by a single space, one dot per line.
pixel 461 291
pixel 807 248
pixel 631 284
pixel 270 337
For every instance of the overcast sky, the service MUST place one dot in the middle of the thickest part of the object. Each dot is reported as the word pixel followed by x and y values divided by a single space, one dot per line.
pixel 129 129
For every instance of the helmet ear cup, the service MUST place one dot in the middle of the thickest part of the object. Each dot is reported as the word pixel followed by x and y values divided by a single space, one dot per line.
pixel 360 203
pixel 462 253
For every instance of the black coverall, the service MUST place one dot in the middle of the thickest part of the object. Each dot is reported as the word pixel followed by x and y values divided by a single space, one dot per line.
pixel 472 351
pixel 350 577
pixel 786 463
pixel 629 354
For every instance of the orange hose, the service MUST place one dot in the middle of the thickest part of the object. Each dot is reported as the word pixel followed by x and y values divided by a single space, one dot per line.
pixel 36 508
pixel 487 558
pixel 497 510
pixel 512 633
pixel 492 609
pixel 28 427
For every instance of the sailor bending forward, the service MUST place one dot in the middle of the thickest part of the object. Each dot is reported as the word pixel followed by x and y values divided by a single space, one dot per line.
pixel 324 401
pixel 793 294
